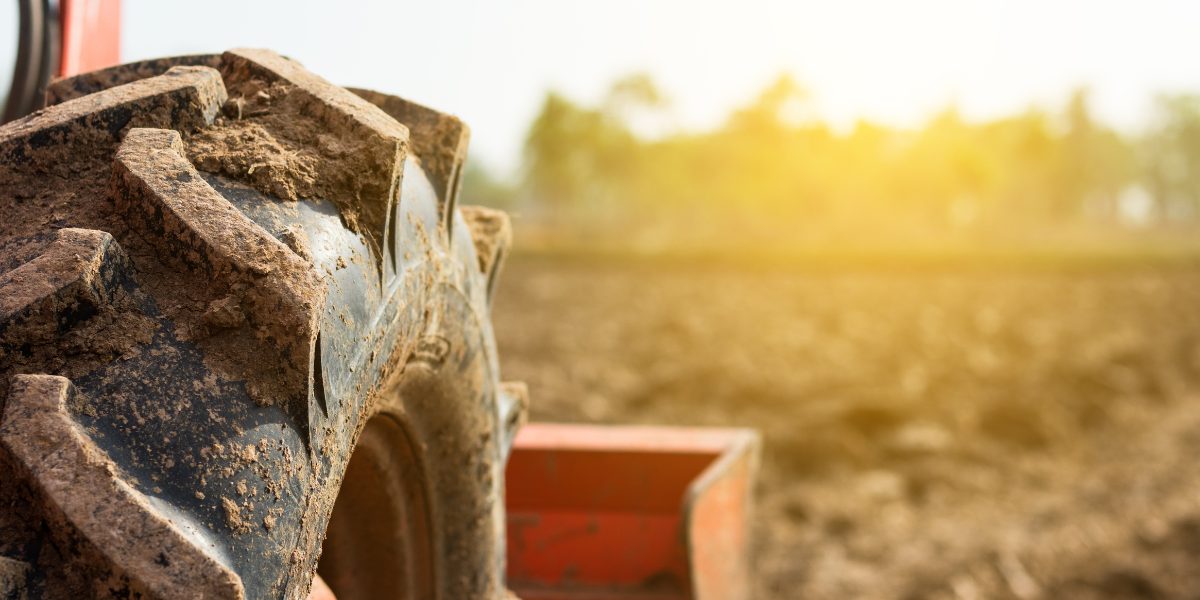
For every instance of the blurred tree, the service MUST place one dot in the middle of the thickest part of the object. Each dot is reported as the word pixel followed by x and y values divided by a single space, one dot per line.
pixel 773 173
pixel 631 93
pixel 1171 157
pixel 566 152
pixel 578 161
pixel 778 107
pixel 1094 166
pixel 481 188
pixel 947 173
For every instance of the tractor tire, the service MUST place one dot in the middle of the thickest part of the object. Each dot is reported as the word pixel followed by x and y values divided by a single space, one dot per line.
pixel 245 337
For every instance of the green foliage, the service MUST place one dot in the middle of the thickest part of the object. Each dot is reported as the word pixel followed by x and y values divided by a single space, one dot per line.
pixel 479 187
pixel 1171 157
pixel 773 172
pixel 577 159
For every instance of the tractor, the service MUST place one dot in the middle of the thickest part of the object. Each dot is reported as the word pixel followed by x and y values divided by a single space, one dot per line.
pixel 246 352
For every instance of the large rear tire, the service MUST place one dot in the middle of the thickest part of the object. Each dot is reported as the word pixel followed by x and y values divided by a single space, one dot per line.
pixel 240 311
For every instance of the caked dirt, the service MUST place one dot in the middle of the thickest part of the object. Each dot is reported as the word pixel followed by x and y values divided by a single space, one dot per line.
pixel 268 141
pixel 70 184
pixel 929 433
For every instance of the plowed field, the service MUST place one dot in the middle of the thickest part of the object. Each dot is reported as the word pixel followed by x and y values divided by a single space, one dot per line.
pixel 930 433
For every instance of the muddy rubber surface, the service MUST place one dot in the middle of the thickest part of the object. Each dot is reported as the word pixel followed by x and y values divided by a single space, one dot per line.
pixel 929 434
pixel 213 281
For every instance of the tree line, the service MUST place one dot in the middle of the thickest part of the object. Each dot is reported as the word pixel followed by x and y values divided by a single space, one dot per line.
pixel 768 173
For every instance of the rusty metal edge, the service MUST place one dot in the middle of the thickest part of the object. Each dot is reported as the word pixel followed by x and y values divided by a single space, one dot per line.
pixel 745 442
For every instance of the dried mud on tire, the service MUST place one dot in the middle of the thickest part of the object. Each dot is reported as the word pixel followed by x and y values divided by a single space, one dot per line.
pixel 216 272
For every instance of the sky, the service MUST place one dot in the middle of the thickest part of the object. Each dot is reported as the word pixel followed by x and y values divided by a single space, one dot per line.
pixel 491 62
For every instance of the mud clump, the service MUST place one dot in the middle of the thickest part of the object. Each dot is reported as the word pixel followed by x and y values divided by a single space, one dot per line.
pixel 249 152
pixel 63 309
pixel 113 332
pixel 490 231
pixel 269 137
pixel 295 238
pixel 224 314
pixel 233 516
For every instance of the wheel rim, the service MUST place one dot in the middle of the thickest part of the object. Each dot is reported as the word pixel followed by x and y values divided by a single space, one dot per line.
pixel 378 543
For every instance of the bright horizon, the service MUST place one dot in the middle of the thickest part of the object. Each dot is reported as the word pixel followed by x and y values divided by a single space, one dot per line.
pixel 491 63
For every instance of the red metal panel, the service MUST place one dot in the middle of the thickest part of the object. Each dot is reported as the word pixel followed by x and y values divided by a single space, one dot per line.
pixel 718 539
pixel 609 480
pixel 601 512
pixel 91 35
pixel 572 549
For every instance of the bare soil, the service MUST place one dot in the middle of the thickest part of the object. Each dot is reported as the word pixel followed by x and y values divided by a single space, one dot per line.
pixel 930 433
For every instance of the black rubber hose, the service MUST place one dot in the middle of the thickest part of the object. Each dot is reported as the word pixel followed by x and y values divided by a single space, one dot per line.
pixel 51 51
pixel 37 58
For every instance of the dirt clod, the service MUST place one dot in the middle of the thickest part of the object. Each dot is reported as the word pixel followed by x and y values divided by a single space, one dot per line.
pixel 294 135
pixel 224 314
pixel 233 516
pixel 490 231
pixel 297 240
pixel 62 307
